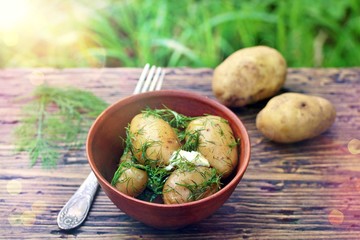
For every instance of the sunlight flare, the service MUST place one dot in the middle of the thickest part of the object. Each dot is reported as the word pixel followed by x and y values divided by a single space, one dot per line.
pixel 12 13
pixel 336 217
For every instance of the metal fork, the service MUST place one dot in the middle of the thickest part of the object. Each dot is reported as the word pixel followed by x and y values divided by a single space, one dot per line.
pixel 75 211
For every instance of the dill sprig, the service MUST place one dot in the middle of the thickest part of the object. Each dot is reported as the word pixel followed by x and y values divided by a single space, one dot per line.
pixel 175 119
pixel 123 166
pixel 157 179
pixel 55 118
pixel 179 123
pixel 197 191
pixel 157 176
pixel 192 138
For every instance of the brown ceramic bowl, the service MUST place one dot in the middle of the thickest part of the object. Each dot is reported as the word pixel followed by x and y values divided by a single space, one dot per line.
pixel 104 148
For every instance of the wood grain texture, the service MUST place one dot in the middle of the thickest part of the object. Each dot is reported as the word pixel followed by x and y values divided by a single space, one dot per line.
pixel 307 190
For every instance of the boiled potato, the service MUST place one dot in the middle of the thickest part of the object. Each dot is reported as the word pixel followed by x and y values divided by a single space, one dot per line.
pixel 132 181
pixel 293 117
pixel 249 75
pixel 216 142
pixel 126 157
pixel 187 185
pixel 153 140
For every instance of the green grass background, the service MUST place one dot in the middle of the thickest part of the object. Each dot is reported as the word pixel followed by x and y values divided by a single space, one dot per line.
pixel 195 33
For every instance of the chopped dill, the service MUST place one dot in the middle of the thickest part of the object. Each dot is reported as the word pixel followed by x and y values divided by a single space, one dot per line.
pixel 197 191
pixel 120 170
pixel 175 119
pixel 123 166
pixel 192 140
pixel 56 118
pixel 157 178
pixel 235 143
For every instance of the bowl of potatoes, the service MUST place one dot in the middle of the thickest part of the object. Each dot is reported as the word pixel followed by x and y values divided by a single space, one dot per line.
pixel 168 158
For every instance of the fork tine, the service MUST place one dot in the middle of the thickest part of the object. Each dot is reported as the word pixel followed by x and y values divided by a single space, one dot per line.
pixel 160 81
pixel 155 79
pixel 142 78
pixel 151 79
pixel 148 79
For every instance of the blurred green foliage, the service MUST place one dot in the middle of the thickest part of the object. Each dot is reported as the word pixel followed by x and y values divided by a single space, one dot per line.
pixel 195 33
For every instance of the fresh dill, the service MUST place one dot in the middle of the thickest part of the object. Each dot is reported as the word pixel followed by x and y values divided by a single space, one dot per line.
pixel 179 123
pixel 123 166
pixel 192 138
pixel 157 178
pixel 235 143
pixel 55 118
pixel 199 190
pixel 120 170
pixel 175 119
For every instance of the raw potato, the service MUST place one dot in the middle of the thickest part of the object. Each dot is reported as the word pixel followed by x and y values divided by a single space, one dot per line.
pixel 293 117
pixel 249 75
pixel 216 143
pixel 153 140
pixel 132 181
pixel 189 185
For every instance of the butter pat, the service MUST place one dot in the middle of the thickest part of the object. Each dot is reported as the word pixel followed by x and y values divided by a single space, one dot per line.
pixel 193 157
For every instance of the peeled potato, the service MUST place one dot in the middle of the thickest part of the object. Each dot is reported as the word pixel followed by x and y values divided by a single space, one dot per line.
pixel 187 185
pixel 293 117
pixel 132 181
pixel 216 142
pixel 249 75
pixel 153 140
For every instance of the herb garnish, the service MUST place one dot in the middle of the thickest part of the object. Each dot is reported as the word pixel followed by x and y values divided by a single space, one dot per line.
pixel 158 173
pixel 179 122
pixel 55 118
pixel 176 120
pixel 197 191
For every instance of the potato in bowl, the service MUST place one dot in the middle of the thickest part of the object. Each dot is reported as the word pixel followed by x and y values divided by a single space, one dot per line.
pixel 104 150
pixel 179 157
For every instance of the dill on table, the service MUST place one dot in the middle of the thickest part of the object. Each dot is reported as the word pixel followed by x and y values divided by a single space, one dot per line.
pixel 55 119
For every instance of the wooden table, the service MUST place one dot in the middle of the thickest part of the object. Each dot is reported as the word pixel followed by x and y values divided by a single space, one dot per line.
pixel 307 190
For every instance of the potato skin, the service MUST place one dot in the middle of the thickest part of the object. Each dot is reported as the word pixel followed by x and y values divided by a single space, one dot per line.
pixel 216 143
pixel 293 117
pixel 175 189
pixel 155 136
pixel 132 181
pixel 249 75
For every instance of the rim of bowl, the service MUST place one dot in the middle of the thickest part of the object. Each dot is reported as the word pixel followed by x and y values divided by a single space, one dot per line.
pixel 184 94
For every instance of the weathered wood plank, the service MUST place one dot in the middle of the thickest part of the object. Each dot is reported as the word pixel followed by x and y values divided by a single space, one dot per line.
pixel 307 190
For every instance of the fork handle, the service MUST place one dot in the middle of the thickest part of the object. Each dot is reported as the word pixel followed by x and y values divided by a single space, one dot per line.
pixel 76 209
